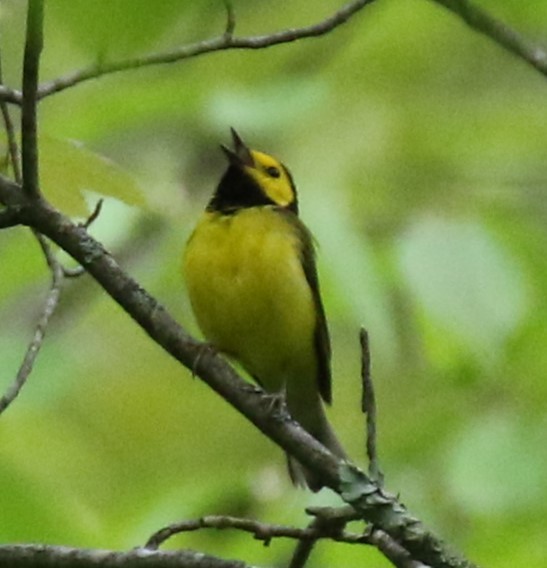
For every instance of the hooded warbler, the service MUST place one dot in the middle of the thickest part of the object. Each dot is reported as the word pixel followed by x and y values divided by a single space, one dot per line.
pixel 252 281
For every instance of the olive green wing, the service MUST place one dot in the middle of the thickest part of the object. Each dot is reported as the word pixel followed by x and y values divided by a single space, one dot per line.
pixel 321 333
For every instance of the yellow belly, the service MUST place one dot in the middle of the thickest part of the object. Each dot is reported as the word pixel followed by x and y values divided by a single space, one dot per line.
pixel 250 295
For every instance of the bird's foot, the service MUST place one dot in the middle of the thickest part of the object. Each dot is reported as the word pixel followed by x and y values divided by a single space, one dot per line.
pixel 275 401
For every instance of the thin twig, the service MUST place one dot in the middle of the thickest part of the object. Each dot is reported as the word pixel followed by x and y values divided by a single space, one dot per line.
pixel 78 271
pixel 51 260
pixel 481 21
pixel 13 150
pixel 222 42
pixel 368 406
pixel 52 299
pixel 31 66
pixel 327 523
pixel 230 19
pixel 261 531
pixel 386 544
pixel 33 349
pixel 304 548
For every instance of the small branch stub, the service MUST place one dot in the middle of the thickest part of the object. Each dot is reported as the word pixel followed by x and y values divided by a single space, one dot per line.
pixel 368 406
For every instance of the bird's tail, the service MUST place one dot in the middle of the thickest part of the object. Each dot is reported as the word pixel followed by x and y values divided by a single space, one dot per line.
pixel 315 422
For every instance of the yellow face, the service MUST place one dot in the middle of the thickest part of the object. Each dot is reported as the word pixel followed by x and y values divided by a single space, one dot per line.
pixel 272 177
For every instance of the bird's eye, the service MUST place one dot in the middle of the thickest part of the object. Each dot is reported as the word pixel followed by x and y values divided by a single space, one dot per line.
pixel 274 172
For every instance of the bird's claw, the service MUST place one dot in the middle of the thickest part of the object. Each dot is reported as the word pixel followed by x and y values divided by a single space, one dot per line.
pixel 275 401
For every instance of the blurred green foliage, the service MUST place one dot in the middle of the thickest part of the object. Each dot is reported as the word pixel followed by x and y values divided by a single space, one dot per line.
pixel 418 148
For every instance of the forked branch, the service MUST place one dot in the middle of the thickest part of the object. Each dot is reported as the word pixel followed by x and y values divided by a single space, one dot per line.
pixel 34 346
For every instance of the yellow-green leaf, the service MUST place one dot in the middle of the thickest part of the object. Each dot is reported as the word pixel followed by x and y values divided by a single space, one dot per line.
pixel 67 169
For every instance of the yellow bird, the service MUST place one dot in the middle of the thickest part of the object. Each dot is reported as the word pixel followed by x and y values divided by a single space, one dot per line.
pixel 252 281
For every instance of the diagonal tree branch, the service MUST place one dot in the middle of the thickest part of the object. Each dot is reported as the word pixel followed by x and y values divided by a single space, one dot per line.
pixel 481 21
pixel 43 556
pixel 371 502
pixel 13 150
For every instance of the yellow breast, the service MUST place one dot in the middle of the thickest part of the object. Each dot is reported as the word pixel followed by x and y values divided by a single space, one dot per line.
pixel 250 295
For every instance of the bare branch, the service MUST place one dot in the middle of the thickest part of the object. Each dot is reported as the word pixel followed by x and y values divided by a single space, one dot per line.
pixel 328 521
pixel 325 524
pixel 368 406
pixel 373 503
pixel 260 531
pixel 303 549
pixel 31 66
pixel 386 544
pixel 33 349
pixel 13 150
pixel 481 21
pixel 473 15
pixel 42 556
pixel 222 42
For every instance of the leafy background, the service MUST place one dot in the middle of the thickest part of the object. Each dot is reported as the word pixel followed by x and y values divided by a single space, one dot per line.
pixel 419 151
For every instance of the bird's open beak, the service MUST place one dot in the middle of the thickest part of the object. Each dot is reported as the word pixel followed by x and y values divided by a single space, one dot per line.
pixel 240 155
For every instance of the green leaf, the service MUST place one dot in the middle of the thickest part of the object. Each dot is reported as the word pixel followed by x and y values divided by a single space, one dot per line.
pixel 68 169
